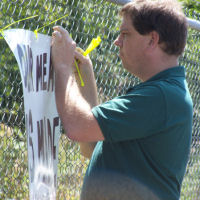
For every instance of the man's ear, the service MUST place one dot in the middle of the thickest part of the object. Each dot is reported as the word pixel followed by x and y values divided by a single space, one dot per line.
pixel 153 40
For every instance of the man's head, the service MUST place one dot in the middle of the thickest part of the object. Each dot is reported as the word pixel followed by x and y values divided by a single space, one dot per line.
pixel 163 16
pixel 152 36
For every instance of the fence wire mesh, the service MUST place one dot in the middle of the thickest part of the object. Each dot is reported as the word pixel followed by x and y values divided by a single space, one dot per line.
pixel 85 20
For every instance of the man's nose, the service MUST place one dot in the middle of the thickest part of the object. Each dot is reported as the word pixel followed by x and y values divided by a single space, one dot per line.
pixel 118 42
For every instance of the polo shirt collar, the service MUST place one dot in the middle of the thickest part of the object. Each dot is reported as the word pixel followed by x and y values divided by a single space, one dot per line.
pixel 178 71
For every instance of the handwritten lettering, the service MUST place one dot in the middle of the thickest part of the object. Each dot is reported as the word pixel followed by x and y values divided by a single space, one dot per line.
pixel 46 138
pixel 45 145
pixel 44 69
pixel 26 65
pixel 41 71
pixel 42 81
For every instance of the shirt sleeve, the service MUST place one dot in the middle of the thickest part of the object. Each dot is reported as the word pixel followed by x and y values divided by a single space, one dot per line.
pixel 138 114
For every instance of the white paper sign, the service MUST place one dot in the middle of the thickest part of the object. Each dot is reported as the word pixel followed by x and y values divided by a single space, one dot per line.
pixel 42 121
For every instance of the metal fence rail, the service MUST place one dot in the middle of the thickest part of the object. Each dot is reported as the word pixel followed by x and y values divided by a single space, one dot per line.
pixel 85 20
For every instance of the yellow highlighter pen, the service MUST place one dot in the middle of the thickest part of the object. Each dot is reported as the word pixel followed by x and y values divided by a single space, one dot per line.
pixel 94 43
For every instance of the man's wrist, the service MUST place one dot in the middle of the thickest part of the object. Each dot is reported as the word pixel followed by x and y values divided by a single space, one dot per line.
pixel 63 70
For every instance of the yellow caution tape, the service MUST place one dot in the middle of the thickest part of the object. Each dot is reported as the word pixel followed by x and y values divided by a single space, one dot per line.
pixel 36 30
pixel 1 30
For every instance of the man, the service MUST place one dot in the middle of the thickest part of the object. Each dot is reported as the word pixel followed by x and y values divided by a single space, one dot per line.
pixel 139 141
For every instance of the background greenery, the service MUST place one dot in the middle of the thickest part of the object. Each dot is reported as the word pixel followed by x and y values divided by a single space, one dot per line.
pixel 85 19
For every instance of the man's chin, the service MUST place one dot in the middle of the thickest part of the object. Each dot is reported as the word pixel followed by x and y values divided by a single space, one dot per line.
pixel 124 64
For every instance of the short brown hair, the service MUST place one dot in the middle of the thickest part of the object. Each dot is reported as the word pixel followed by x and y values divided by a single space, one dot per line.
pixel 163 16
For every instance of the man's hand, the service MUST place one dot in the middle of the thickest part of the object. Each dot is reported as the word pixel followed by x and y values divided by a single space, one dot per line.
pixel 84 62
pixel 63 51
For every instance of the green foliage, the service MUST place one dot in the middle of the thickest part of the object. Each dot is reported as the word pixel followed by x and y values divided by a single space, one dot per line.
pixel 13 159
pixel 191 187
pixel 193 5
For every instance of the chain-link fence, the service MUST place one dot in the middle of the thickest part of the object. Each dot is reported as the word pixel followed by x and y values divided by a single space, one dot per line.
pixel 85 19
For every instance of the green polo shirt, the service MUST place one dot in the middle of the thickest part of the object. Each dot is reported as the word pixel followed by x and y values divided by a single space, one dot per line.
pixel 147 134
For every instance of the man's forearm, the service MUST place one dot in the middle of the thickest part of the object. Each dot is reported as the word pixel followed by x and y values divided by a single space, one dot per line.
pixel 62 87
pixel 89 92
pixel 69 101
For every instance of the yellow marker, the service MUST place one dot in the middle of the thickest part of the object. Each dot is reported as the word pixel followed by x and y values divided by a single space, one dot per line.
pixel 94 43
pixel 79 74
pixel 36 30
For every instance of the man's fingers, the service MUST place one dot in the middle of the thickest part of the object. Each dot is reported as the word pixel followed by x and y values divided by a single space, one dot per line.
pixel 60 29
pixel 60 34
pixel 56 36
pixel 83 59
pixel 78 55
pixel 63 32
pixel 80 50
